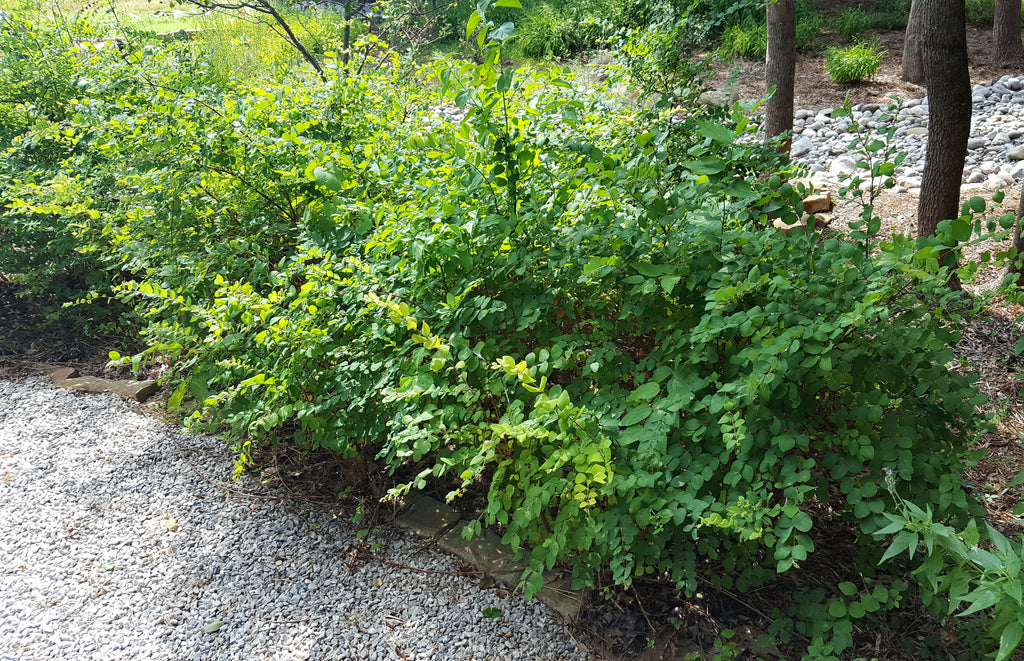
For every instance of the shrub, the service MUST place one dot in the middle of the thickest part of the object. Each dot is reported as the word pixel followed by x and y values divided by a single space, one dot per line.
pixel 808 24
pixel 981 12
pixel 853 65
pixel 890 14
pixel 851 24
pixel 547 32
pixel 574 308
pixel 749 39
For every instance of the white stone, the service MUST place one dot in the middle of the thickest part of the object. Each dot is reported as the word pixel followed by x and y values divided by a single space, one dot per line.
pixel 1015 153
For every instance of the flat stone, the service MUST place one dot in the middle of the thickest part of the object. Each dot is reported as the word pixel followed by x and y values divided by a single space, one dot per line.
pixel 1015 153
pixel 786 228
pixel 976 143
pixel 818 202
pixel 63 374
pixel 427 517
pixel 140 391
pixel 486 552
pixel 917 130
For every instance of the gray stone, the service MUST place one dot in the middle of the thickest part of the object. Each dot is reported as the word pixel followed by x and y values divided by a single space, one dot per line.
pixel 1001 139
pixel 427 517
pixel 843 165
pixel 801 146
pixel 976 178
pixel 1015 153
pixel 917 130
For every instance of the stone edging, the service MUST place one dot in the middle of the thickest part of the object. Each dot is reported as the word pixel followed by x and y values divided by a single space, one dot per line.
pixel 435 520
pixel 68 377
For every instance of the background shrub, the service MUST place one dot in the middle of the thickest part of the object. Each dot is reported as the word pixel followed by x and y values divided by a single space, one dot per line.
pixel 855 64
pixel 851 24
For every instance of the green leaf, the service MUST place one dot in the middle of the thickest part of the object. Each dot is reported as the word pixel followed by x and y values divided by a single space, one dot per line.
pixel 847 588
pixel 802 521
pixel 474 20
pixel 837 609
pixel 716 132
pixel 515 4
pixel 113 355
pixel 900 544
pixel 644 393
pixel 504 31
pixel 1010 639
pixel 505 80
pixel 635 415
pixel 213 627
pixel 329 177
pixel 490 611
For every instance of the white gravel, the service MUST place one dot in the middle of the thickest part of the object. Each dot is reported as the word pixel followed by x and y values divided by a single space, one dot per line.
pixel 90 569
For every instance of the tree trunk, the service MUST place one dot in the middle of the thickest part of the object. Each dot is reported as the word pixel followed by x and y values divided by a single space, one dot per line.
pixel 1006 45
pixel 913 46
pixel 948 80
pixel 780 70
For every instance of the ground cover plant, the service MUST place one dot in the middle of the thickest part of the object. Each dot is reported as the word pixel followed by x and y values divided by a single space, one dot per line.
pixel 573 306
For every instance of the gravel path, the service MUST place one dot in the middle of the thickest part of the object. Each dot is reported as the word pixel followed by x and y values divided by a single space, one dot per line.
pixel 91 491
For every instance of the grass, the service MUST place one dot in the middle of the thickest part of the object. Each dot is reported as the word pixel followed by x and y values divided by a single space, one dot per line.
pixel 148 15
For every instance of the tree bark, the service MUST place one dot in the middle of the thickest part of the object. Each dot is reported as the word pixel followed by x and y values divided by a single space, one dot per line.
pixel 948 80
pixel 1006 45
pixel 780 70
pixel 913 46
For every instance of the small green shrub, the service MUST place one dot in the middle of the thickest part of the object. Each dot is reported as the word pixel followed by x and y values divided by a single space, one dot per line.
pixel 547 32
pixel 853 65
pixel 851 24
pixel 808 25
pixel 749 39
pixel 981 12
pixel 890 15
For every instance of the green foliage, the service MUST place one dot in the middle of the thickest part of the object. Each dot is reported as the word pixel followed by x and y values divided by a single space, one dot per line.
pixel 980 12
pixel 576 307
pixel 748 39
pixel 855 64
pixel 890 14
pixel 808 25
pixel 549 32
pixel 851 24
pixel 962 571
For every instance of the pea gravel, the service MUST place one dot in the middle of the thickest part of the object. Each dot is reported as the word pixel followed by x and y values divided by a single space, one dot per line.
pixel 92 567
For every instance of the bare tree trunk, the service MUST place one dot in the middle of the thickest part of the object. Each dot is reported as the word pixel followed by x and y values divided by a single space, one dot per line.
pixel 780 70
pixel 1006 45
pixel 944 32
pixel 913 46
